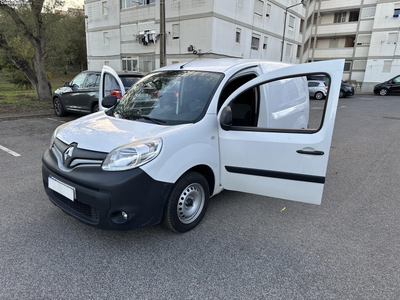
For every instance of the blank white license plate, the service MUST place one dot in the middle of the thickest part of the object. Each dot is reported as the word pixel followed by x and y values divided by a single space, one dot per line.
pixel 62 188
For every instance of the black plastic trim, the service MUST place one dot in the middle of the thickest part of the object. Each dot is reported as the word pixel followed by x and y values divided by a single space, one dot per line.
pixel 276 174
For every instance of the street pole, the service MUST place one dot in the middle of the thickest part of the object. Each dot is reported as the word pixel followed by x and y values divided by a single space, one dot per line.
pixel 163 62
pixel 284 25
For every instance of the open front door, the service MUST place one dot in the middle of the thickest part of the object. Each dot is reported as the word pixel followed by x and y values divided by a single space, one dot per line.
pixel 284 152
pixel 110 84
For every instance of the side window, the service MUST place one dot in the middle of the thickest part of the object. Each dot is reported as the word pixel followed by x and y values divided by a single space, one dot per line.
pixel 245 106
pixel 282 105
pixel 397 79
pixel 79 80
pixel 92 81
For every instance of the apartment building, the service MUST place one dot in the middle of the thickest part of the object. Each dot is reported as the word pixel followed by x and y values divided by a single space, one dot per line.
pixel 125 34
pixel 363 32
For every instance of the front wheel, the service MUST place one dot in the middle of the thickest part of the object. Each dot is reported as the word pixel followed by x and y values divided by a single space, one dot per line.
pixel 187 203
pixel 383 92
pixel 58 108
pixel 342 94
pixel 95 108
pixel 319 95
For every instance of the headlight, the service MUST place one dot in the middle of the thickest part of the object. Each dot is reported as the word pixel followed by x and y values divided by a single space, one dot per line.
pixel 132 155
pixel 58 129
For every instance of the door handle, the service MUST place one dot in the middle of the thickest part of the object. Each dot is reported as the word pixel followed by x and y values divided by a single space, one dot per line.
pixel 314 152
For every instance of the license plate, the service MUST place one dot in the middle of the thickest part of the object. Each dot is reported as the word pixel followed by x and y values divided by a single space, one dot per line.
pixel 62 188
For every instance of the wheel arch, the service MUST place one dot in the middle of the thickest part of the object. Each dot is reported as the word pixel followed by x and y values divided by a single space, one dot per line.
pixel 208 174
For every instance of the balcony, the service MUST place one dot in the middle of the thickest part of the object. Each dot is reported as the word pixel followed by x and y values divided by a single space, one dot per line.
pixel 337 29
pixel 332 53
pixel 342 4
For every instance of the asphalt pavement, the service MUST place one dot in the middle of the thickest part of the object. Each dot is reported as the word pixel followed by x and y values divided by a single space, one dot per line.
pixel 246 247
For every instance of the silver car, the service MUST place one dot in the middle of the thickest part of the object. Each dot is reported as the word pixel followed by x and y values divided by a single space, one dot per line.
pixel 317 89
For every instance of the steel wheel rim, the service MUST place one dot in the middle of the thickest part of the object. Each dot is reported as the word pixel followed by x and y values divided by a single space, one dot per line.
pixel 191 203
pixel 57 106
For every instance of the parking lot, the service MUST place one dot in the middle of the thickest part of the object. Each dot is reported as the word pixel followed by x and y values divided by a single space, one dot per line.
pixel 246 247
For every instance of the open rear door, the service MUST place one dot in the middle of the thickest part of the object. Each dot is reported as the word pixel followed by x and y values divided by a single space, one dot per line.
pixel 270 156
pixel 110 83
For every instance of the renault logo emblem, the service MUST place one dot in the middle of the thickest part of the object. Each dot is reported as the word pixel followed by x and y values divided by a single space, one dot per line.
pixel 68 154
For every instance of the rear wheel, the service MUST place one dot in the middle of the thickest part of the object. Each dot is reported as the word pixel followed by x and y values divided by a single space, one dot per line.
pixel 383 92
pixel 319 95
pixel 342 94
pixel 187 203
pixel 58 107
pixel 95 108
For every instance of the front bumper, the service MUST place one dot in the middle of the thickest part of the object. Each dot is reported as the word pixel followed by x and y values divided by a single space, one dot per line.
pixel 101 196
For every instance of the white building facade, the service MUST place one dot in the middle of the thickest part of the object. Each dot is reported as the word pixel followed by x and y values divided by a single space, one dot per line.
pixel 125 34
pixel 363 32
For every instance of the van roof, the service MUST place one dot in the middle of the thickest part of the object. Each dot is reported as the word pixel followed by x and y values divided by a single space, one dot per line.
pixel 224 65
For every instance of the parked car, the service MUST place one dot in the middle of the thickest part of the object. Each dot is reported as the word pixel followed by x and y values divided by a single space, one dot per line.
pixel 157 156
pixel 81 95
pixel 388 87
pixel 317 89
pixel 346 90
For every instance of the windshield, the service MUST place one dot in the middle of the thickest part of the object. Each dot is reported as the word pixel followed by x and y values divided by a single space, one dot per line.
pixel 171 97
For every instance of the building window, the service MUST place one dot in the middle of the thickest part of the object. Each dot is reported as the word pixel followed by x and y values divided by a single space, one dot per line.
pixel 340 17
pixel 105 38
pixel 255 42
pixel 258 7
pixel 265 44
pixel 238 34
pixel 392 39
pixel 175 31
pixel 387 66
pixel 132 3
pixel 291 22
pixel 129 64
pixel 396 12
pixel 364 39
pixel 268 10
pixel 104 8
pixel 147 63
pixel 289 50
pixel 347 66
pixel 354 15
pixel 368 12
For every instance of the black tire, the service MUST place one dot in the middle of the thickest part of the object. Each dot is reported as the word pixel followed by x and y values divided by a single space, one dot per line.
pixel 189 196
pixel 318 95
pixel 58 108
pixel 383 92
pixel 342 94
pixel 95 108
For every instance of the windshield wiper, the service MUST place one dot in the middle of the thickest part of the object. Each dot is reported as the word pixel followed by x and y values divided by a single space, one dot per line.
pixel 157 121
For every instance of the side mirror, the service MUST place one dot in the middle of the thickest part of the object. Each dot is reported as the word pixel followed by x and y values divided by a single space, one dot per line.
pixel 109 101
pixel 226 118
pixel 66 84
pixel 75 87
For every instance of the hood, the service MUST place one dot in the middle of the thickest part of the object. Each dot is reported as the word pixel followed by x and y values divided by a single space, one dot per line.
pixel 62 90
pixel 99 132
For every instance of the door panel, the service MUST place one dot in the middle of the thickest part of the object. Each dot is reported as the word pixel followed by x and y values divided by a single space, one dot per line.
pixel 109 80
pixel 283 158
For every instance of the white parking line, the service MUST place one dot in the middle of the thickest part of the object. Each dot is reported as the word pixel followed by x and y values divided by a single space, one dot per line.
pixel 9 151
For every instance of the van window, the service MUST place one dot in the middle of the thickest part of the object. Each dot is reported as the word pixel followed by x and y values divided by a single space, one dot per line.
pixel 170 97
pixel 282 105
pixel 245 106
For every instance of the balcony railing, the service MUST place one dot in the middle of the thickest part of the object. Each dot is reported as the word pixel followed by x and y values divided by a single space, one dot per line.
pixel 337 28
pixel 332 53
pixel 339 4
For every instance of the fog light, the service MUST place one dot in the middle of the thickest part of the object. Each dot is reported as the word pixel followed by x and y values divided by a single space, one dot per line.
pixel 124 215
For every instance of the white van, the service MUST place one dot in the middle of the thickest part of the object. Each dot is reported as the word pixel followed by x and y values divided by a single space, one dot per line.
pixel 184 133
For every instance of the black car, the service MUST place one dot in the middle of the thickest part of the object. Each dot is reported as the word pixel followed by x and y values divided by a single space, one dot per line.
pixel 81 95
pixel 388 87
pixel 345 89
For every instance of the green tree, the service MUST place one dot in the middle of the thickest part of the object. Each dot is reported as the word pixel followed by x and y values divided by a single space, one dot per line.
pixel 27 20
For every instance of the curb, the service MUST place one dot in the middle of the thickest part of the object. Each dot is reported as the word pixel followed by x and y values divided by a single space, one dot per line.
pixel 26 116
